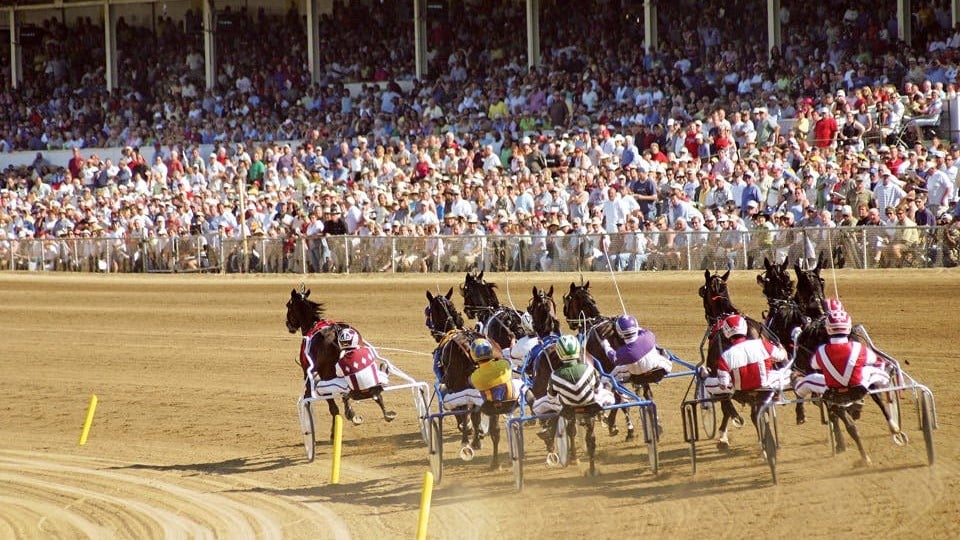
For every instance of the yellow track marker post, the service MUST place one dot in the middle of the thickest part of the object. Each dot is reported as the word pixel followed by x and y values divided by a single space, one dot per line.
pixel 337 449
pixel 86 424
pixel 425 497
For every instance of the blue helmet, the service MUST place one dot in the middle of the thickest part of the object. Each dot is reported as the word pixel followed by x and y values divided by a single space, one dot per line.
pixel 481 350
pixel 627 327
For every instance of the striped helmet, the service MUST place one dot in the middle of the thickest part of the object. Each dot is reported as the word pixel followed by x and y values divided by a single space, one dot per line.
pixel 348 339
pixel 568 348
pixel 734 325
pixel 838 321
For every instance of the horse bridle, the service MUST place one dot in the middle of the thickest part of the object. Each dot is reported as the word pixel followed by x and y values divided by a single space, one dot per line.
pixel 448 321
pixel 582 320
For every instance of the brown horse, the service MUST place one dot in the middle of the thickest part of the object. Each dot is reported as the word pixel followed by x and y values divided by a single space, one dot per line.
pixel 319 361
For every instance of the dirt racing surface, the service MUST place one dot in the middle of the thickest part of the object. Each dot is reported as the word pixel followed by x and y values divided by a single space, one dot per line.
pixel 196 432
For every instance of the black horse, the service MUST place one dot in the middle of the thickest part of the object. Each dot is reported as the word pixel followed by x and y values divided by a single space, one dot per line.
pixel 499 323
pixel 717 306
pixel 453 366
pixel 583 315
pixel 306 316
pixel 543 310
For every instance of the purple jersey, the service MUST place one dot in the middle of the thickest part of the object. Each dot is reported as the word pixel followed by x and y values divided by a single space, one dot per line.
pixel 632 352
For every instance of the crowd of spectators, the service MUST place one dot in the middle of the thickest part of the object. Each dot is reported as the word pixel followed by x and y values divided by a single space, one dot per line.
pixel 708 133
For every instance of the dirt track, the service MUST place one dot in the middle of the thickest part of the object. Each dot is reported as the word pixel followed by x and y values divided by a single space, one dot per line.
pixel 196 433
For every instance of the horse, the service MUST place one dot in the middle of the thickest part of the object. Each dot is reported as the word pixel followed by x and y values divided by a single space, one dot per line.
pixel 717 306
pixel 543 310
pixel 307 317
pixel 499 323
pixel 583 316
pixel 453 366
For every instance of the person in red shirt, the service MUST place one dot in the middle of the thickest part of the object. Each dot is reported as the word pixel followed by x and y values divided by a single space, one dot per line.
pixel 825 129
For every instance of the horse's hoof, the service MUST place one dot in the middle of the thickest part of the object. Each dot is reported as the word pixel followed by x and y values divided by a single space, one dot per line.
pixel 863 463
pixel 723 445
pixel 631 435
pixel 389 416
pixel 614 431
pixel 477 444
pixel 801 420
pixel 544 435
pixel 466 453
pixel 553 460
pixel 900 438
pixel 592 473
pixel 356 419
pixel 737 421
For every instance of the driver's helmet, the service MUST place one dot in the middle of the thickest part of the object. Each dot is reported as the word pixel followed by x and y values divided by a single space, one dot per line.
pixel 627 328
pixel 481 350
pixel 348 339
pixel 526 321
pixel 568 348
pixel 734 325
pixel 838 320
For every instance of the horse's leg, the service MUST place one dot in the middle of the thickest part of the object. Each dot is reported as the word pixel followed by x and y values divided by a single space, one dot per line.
pixel 387 415
pixel 854 434
pixel 591 440
pixel 834 415
pixel 495 437
pixel 572 437
pixel 801 414
pixel 727 411
pixel 476 443
pixel 891 422
pixel 648 395
pixel 334 412
pixel 612 416
pixel 348 412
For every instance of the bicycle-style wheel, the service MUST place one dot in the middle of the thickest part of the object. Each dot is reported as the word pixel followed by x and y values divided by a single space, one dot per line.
pixel 307 428
pixel 515 434
pixel 926 424
pixel 436 449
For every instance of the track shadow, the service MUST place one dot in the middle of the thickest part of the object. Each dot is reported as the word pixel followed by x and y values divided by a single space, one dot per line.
pixel 389 496
pixel 239 465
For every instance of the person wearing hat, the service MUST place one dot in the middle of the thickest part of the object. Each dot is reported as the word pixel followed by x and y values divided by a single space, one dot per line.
pixel 948 235
pixel 940 188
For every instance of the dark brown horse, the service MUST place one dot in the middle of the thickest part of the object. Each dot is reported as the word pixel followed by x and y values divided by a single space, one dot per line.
pixel 543 309
pixel 320 360
pixel 717 306
pixel 453 366
pixel 499 323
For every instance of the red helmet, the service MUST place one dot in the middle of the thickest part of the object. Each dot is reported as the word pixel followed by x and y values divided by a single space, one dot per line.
pixel 734 325
pixel 838 320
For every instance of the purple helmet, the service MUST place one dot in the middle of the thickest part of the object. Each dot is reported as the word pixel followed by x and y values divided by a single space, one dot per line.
pixel 627 327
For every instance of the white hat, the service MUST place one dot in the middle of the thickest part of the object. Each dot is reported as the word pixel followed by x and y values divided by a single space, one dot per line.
pixel 752 204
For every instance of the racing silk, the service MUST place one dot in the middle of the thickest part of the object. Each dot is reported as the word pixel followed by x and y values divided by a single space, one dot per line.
pixel 842 362
pixel 359 368
pixel 493 380
pixel 750 364
pixel 632 352
pixel 520 350
pixel 574 384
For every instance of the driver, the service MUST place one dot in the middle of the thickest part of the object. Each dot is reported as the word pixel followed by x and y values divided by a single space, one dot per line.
pixel 357 368
pixel 748 364
pixel 517 354
pixel 638 355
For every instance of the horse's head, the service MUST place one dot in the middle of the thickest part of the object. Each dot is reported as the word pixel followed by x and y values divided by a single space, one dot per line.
pixel 579 307
pixel 302 313
pixel 544 312
pixel 479 297
pixel 716 297
pixel 809 295
pixel 443 315
pixel 775 280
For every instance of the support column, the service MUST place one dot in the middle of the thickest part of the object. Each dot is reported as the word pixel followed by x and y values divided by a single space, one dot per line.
pixel 16 54
pixel 774 31
pixel 420 37
pixel 533 33
pixel 110 46
pixel 650 26
pixel 313 39
pixel 904 22
pixel 954 14
pixel 209 44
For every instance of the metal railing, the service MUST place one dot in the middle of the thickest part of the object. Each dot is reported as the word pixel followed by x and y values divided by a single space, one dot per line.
pixel 851 247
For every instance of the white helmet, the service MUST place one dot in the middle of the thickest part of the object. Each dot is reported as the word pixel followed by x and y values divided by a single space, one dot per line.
pixel 526 321
pixel 348 338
